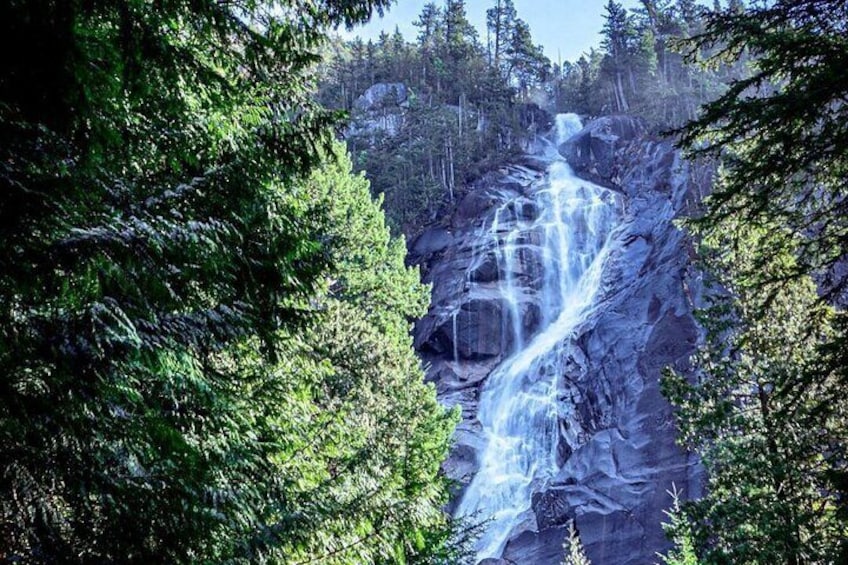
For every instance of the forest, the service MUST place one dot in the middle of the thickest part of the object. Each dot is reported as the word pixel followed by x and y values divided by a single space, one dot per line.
pixel 475 100
pixel 206 304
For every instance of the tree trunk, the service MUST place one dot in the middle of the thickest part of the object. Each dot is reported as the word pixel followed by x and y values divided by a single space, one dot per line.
pixel 620 88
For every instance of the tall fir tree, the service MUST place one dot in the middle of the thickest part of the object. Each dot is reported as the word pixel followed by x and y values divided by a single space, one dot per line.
pixel 196 366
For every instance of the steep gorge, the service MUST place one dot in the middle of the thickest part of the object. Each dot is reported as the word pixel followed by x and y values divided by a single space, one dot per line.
pixel 556 303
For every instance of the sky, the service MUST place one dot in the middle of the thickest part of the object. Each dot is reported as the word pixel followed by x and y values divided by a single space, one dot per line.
pixel 566 28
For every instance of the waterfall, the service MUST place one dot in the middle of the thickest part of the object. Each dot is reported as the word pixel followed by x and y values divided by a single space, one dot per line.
pixel 565 126
pixel 568 238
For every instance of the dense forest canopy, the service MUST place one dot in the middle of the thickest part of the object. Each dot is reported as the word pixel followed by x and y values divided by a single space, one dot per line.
pixel 475 102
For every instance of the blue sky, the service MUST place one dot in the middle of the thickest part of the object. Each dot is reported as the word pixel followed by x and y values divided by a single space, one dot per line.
pixel 565 28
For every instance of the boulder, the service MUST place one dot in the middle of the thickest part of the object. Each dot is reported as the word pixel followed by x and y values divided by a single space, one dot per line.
pixel 537 548
pixel 380 110
pixel 431 241
pixel 473 207
pixel 552 508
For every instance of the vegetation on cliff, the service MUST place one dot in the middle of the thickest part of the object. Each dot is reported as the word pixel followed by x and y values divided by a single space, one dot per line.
pixel 475 103
pixel 468 109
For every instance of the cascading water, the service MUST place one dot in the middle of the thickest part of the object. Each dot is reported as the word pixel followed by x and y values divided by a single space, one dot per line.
pixel 518 408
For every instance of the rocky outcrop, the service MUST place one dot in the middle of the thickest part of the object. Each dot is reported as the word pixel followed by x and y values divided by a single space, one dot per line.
pixel 599 153
pixel 382 95
pixel 617 439
pixel 379 110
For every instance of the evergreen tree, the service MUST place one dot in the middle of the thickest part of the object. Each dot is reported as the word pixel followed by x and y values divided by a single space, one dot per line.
pixel 764 412
pixel 641 70
pixel 430 41
pixel 361 437
pixel 526 63
pixel 678 531
pixel 574 552
pixel 197 366
pixel 771 417
pixel 500 21
pixel 462 116
pixel 786 146
pixel 619 39
pixel 461 45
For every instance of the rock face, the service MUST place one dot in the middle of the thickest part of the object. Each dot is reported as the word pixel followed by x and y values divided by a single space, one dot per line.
pixel 617 455
pixel 381 95
pixel 533 118
pixel 380 109
pixel 599 152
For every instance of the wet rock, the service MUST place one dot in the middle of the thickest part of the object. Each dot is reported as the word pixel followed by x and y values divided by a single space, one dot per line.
pixel 527 210
pixel 616 448
pixel 474 332
pixel 596 153
pixel 480 329
pixel 456 375
pixel 672 338
pixel 486 269
pixel 427 338
pixel 614 537
pixel 463 462
pixel 531 317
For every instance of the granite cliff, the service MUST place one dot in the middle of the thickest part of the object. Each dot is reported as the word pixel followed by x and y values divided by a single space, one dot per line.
pixel 612 455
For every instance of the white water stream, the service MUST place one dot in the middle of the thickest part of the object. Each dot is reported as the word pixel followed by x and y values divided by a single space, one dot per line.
pixel 518 404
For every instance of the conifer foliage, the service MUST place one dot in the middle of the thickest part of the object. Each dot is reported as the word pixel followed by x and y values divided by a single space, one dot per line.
pixel 574 552
pixel 204 346
pixel 767 410
pixel 640 68
pixel 764 414
pixel 783 131
pixel 468 109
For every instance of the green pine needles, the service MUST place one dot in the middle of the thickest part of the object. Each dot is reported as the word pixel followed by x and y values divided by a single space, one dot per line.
pixel 203 338
pixel 766 409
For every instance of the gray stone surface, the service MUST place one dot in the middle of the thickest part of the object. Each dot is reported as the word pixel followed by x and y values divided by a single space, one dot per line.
pixel 381 95
pixel 599 151
pixel 380 110
pixel 432 241
pixel 617 445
